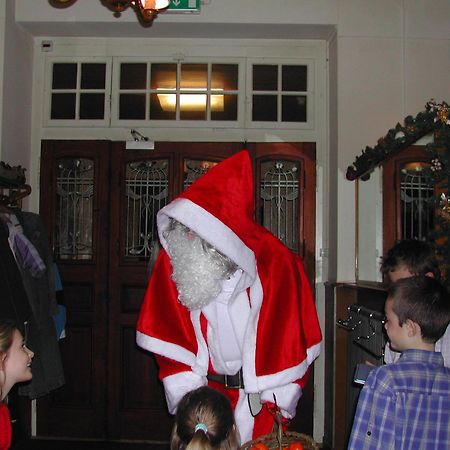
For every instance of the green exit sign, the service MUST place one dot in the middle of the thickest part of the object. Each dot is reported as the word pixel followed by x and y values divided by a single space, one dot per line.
pixel 184 6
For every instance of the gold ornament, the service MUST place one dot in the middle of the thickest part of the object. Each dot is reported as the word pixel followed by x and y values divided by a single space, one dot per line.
pixel 442 113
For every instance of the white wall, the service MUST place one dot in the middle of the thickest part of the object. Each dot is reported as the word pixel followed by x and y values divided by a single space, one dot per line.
pixel 16 92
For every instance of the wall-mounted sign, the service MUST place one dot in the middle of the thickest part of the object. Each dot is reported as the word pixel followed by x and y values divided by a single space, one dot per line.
pixel 184 6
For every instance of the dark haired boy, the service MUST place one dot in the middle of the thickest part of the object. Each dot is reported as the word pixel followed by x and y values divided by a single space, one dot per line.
pixel 406 405
pixel 405 259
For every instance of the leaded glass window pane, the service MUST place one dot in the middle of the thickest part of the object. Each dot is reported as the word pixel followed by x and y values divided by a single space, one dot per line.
pixel 74 208
pixel 146 192
pixel 279 192
pixel 194 169
pixel 417 201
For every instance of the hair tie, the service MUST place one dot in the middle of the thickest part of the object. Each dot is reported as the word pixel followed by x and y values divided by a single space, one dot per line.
pixel 202 427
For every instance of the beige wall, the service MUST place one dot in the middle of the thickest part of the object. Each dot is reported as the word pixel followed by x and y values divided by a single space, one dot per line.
pixel 15 81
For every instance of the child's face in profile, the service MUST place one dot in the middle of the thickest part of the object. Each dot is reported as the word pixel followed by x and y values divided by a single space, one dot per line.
pixel 396 332
pixel 16 362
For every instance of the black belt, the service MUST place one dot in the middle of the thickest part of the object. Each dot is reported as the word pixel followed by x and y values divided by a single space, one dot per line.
pixel 235 381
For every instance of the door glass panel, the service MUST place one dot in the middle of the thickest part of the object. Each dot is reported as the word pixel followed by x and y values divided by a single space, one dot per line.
pixel 193 107
pixel 92 106
pixel 224 77
pixel 133 76
pixel 146 192
pixel 163 106
pixel 194 169
pixel 93 76
pixel 164 76
pixel 293 108
pixel 417 201
pixel 294 78
pixel 63 106
pixel 265 77
pixel 64 76
pixel 264 108
pixel 132 106
pixel 194 76
pixel 224 107
pixel 74 208
pixel 279 193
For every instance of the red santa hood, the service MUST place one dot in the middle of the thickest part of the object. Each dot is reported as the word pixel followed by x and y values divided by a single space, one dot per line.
pixel 219 208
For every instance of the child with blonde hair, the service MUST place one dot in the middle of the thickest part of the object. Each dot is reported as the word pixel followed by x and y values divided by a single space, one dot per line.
pixel 204 420
pixel 15 367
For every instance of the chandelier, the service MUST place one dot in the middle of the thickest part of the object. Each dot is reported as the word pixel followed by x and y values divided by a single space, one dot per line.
pixel 147 10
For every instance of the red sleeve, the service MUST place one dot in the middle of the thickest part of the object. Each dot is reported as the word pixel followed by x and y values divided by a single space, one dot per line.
pixel 288 327
pixel 169 367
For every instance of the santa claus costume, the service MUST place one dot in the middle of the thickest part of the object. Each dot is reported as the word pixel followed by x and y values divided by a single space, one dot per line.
pixel 263 326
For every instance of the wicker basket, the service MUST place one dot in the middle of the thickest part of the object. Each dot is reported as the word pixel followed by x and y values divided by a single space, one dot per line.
pixel 280 439
pixel 275 441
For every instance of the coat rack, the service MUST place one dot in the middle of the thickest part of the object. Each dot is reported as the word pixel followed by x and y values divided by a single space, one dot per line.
pixel 366 328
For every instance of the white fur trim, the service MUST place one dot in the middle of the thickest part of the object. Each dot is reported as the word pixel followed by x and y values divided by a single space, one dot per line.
pixel 313 352
pixel 243 417
pixel 286 396
pixel 164 348
pixel 249 353
pixel 202 360
pixel 175 386
pixel 282 378
pixel 208 227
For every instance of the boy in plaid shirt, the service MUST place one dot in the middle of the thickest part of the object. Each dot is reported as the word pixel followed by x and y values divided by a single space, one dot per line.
pixel 406 404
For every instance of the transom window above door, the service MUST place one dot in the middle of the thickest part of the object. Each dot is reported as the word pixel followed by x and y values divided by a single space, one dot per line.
pixel 230 93
pixel 178 91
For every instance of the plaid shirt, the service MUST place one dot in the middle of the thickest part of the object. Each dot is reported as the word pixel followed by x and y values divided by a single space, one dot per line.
pixel 405 405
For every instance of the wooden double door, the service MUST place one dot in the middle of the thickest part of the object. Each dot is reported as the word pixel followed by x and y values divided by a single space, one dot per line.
pixel 99 202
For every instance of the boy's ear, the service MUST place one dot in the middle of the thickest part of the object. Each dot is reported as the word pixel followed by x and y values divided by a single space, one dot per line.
pixel 413 328
pixel 429 274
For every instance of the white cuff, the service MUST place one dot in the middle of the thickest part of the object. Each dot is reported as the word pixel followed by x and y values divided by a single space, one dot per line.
pixel 286 397
pixel 175 386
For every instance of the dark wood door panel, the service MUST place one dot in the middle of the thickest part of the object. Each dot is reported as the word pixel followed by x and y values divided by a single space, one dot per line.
pixel 78 408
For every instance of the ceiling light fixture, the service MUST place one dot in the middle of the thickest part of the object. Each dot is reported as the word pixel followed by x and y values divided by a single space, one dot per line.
pixel 147 10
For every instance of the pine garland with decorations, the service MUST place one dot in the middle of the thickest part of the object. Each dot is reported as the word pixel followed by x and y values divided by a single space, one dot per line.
pixel 396 139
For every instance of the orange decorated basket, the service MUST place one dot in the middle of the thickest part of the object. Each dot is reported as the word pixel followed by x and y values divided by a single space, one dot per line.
pixel 281 440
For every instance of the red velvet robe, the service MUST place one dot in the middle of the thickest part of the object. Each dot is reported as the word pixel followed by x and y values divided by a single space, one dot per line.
pixel 272 307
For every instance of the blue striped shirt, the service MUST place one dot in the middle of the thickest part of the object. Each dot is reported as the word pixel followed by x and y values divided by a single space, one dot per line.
pixel 405 405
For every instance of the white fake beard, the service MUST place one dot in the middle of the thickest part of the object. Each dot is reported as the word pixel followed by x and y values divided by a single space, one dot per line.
pixel 197 272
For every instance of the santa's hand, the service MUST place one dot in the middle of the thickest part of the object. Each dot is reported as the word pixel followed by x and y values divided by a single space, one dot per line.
pixel 275 411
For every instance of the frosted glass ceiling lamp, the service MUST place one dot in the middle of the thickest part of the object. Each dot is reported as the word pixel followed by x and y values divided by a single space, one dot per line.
pixel 191 102
pixel 147 9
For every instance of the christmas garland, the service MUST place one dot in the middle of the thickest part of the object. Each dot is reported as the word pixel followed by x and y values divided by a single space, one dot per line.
pixel 399 138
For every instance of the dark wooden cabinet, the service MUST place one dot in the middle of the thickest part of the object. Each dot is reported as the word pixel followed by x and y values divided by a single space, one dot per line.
pixel 353 334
